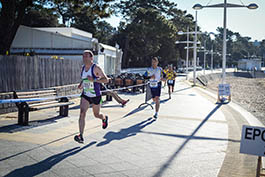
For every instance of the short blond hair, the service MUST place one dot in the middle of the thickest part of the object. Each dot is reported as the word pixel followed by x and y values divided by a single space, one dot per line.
pixel 90 52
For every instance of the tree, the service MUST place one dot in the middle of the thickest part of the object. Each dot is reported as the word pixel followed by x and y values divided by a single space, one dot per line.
pixel 151 30
pixel 72 11
pixel 104 32
pixel 149 34
pixel 38 16
pixel 13 12
pixel 11 17
pixel 128 7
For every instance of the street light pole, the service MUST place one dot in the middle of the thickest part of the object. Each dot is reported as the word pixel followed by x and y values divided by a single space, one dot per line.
pixel 187 54
pixel 195 51
pixel 224 43
pixel 212 59
pixel 225 5
pixel 204 57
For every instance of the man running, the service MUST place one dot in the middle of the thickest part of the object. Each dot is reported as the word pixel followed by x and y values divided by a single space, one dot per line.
pixel 164 73
pixel 92 75
pixel 155 73
pixel 171 75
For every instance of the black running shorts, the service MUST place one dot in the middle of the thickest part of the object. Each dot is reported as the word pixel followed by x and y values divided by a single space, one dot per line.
pixel 92 100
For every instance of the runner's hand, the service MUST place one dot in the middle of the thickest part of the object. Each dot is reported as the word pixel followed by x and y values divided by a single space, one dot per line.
pixel 80 86
pixel 153 77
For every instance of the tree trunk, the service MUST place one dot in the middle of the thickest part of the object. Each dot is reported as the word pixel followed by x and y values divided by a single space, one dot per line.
pixel 10 19
pixel 125 60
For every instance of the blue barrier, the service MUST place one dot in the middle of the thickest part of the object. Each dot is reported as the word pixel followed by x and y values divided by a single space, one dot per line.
pixel 58 97
pixel 35 99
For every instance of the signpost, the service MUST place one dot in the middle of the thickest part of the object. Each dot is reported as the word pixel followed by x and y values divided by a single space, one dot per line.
pixel 253 143
pixel 223 90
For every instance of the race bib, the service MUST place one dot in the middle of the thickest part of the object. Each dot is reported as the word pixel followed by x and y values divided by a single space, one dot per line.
pixel 88 86
pixel 153 84
pixel 170 81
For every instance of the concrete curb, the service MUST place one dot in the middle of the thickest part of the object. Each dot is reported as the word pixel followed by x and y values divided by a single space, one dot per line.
pixel 250 118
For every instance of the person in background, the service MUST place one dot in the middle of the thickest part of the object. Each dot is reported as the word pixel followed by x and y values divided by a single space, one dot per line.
pixel 165 72
pixel 115 96
pixel 155 75
pixel 170 75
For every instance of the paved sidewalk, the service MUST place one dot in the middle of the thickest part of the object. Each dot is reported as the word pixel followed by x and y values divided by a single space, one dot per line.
pixel 192 137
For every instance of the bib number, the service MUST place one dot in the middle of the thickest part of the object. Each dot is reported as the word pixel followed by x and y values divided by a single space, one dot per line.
pixel 153 84
pixel 88 86
pixel 170 81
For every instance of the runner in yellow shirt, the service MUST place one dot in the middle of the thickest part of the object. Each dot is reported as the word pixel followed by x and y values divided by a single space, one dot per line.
pixel 171 75
pixel 165 72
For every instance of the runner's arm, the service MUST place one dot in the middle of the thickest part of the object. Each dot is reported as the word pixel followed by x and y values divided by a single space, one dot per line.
pixel 80 85
pixel 163 75
pixel 146 75
pixel 102 76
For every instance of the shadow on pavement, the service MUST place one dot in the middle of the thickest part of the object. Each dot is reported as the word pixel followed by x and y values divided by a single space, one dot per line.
pixel 135 111
pixel 180 90
pixel 188 138
pixel 194 137
pixel 164 100
pixel 42 145
pixel 32 124
pixel 44 165
pixel 125 133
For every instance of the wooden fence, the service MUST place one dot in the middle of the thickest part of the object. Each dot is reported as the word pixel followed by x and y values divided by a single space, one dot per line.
pixel 24 73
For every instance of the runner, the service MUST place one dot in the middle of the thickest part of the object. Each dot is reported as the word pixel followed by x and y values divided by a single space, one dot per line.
pixel 171 75
pixel 92 75
pixel 155 73
pixel 164 74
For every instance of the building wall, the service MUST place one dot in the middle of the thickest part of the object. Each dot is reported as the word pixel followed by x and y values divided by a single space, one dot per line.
pixel 33 38
pixel 67 43
pixel 249 64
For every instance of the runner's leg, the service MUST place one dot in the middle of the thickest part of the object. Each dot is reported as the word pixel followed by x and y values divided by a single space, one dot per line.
pixel 96 111
pixel 157 101
pixel 169 90
pixel 115 96
pixel 104 118
pixel 84 105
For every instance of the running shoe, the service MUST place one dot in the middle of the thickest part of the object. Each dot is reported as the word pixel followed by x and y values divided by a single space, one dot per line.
pixel 105 123
pixel 125 102
pixel 155 116
pixel 79 139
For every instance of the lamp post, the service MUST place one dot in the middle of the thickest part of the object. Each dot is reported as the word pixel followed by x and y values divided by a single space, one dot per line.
pixel 212 59
pixel 204 57
pixel 187 47
pixel 212 36
pixel 187 53
pixel 195 51
pixel 194 48
pixel 224 5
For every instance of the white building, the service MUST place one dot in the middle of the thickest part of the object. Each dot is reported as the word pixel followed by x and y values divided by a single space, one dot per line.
pixel 65 43
pixel 249 64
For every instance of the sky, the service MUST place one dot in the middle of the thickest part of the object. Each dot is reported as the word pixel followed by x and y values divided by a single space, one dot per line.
pixel 246 22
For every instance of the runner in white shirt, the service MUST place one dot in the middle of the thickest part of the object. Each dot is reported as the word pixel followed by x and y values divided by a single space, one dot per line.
pixel 156 75
pixel 92 76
